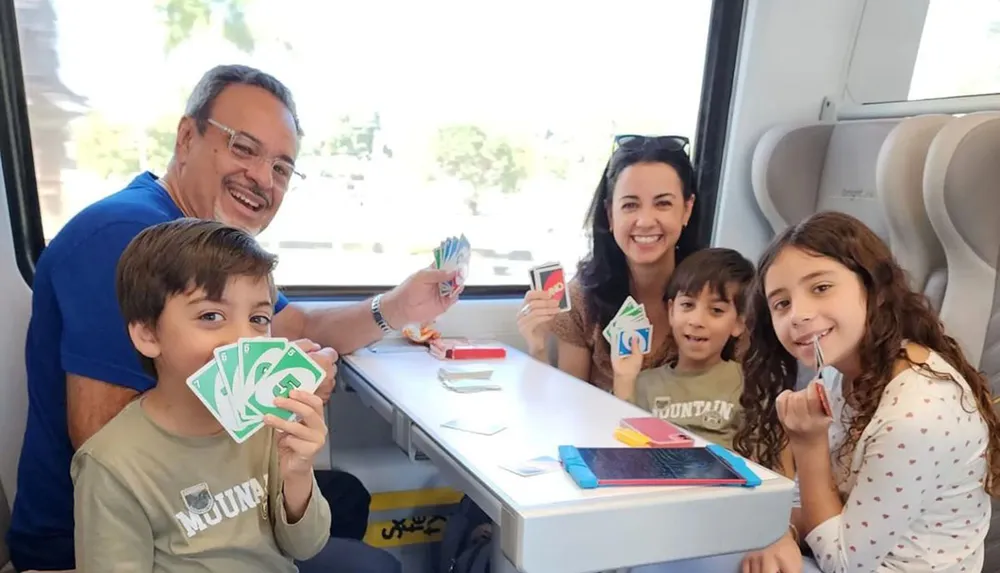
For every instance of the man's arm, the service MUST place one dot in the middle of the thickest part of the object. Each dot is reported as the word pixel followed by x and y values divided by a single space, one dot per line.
pixel 345 328
pixel 91 404
pixel 103 372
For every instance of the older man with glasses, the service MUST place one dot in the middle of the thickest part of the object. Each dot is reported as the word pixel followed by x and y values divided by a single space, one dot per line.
pixel 234 160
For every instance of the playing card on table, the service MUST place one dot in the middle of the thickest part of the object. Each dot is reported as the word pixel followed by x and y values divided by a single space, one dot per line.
pixel 475 426
pixel 551 278
pixel 239 386
pixel 533 466
pixel 453 254
pixel 467 378
pixel 465 372
pixel 630 321
pixel 469 386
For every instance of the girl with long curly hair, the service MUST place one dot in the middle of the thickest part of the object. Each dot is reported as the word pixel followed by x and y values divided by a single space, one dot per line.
pixel 897 477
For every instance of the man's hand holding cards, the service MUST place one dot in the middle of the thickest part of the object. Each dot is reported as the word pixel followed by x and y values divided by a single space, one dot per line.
pixel 453 254
pixel 630 322
pixel 239 386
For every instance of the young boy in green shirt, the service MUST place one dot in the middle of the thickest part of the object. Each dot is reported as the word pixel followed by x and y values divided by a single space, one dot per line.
pixel 701 389
pixel 163 487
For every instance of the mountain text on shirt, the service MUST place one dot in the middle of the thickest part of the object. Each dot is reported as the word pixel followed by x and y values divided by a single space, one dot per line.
pixel 203 510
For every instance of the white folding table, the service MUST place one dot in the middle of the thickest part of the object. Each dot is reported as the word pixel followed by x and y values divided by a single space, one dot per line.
pixel 547 523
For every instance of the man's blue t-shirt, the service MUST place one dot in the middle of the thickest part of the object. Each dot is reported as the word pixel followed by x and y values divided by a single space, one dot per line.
pixel 76 327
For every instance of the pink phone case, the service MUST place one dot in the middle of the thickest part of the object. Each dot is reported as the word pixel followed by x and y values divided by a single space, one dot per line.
pixel 661 433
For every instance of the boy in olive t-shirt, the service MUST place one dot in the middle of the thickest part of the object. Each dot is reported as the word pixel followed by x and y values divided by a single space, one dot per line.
pixel 162 487
pixel 700 391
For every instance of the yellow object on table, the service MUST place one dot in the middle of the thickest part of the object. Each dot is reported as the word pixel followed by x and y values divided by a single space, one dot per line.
pixel 631 438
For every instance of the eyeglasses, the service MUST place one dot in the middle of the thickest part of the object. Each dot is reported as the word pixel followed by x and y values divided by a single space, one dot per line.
pixel 246 148
pixel 666 142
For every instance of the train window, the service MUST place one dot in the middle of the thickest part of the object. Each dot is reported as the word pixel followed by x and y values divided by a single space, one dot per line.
pixel 422 119
pixel 957 50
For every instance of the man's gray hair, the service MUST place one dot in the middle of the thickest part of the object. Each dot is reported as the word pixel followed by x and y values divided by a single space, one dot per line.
pixel 199 104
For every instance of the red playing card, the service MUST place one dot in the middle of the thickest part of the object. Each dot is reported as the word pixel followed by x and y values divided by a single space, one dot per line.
pixel 824 401
pixel 553 282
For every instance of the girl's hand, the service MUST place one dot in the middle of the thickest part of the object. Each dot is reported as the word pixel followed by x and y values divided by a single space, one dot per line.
pixel 782 556
pixel 801 414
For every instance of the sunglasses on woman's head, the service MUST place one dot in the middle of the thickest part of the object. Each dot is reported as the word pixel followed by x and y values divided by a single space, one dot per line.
pixel 666 142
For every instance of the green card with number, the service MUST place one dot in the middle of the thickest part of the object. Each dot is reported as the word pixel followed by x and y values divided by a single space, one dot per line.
pixel 211 387
pixel 239 386
pixel 293 371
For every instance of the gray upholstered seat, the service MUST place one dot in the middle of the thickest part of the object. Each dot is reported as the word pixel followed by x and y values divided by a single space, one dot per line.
pixel 899 182
pixel 802 169
pixel 962 195
pixel 864 168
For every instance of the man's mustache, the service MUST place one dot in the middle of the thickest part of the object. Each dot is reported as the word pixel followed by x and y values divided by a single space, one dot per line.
pixel 252 187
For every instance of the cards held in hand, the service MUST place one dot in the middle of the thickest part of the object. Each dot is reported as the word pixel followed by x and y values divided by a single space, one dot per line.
pixel 551 278
pixel 453 254
pixel 239 386
pixel 631 321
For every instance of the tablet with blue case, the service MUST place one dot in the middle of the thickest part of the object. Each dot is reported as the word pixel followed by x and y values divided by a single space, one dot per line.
pixel 709 466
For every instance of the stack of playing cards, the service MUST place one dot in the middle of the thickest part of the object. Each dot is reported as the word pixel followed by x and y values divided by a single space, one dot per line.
pixel 467 378
pixel 453 254
pixel 240 385
pixel 551 278
pixel 630 321
pixel 466 386
pixel 465 372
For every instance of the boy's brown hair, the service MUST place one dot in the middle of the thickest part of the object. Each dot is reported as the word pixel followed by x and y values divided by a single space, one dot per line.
pixel 179 257
pixel 724 272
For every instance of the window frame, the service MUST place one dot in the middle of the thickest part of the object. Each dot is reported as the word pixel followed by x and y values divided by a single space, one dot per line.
pixel 16 159
pixel 19 178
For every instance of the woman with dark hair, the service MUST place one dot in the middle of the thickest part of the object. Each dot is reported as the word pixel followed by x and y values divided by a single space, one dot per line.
pixel 639 233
